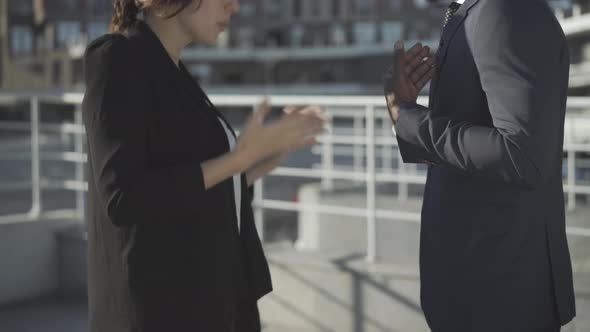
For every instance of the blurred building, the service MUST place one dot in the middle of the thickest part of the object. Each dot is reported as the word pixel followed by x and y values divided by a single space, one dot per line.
pixel 273 41
pixel 575 20
pixel 310 46
pixel 42 41
pixel 280 46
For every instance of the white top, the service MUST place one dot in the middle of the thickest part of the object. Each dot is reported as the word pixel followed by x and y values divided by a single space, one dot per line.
pixel 237 178
pixel 459 1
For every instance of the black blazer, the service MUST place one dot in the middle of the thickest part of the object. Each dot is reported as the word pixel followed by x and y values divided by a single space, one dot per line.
pixel 164 253
pixel 494 253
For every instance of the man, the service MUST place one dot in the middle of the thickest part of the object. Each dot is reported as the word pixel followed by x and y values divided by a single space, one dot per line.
pixel 494 255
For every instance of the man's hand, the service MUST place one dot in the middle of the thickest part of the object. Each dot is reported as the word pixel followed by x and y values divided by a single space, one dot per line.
pixel 411 71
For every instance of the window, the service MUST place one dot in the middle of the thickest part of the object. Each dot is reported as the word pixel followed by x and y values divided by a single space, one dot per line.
pixel 203 72
pixel 244 37
pixel 394 5
pixel 72 4
pixel 419 30
pixel 20 7
pixel 365 33
pixel 273 8
pixel 95 30
pixel 247 9
pixel 364 7
pixel 102 6
pixel 68 33
pixel 338 34
pixel 392 32
pixel 297 34
pixel 315 8
pixel 336 8
pixel 421 4
pixel 21 40
pixel 297 8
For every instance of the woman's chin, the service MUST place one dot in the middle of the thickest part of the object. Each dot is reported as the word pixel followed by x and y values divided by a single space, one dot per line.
pixel 207 40
pixel 212 41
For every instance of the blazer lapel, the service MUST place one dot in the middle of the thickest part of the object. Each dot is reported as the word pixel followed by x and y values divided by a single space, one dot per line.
pixel 160 60
pixel 198 93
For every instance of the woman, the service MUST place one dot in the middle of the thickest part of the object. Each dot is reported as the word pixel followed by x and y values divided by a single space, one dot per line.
pixel 172 242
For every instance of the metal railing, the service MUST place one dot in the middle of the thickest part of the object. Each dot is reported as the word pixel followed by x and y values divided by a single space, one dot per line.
pixel 367 140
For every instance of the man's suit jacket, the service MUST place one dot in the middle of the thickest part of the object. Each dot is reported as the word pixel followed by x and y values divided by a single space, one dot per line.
pixel 494 254
pixel 164 253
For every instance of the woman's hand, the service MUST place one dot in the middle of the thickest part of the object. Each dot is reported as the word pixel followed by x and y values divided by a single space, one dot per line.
pixel 297 129
pixel 267 165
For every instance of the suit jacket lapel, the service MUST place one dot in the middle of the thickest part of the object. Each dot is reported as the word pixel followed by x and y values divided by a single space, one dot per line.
pixel 454 23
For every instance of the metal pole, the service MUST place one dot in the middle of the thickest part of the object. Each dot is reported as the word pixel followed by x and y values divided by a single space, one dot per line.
pixel 79 146
pixel 402 191
pixel 36 206
pixel 358 148
pixel 371 186
pixel 327 161
pixel 386 155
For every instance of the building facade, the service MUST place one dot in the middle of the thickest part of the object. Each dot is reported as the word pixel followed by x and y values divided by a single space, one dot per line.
pixel 313 46
pixel 280 46
pixel 42 41
pixel 575 21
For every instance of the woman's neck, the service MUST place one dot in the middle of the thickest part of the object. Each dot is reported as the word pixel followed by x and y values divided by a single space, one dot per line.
pixel 168 32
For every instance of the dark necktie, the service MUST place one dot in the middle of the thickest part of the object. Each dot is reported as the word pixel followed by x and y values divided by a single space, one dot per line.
pixel 451 10
pixel 453 7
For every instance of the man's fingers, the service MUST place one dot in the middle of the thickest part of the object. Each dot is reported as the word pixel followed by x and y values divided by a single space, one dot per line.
pixel 414 50
pixel 417 60
pixel 425 79
pixel 399 55
pixel 421 70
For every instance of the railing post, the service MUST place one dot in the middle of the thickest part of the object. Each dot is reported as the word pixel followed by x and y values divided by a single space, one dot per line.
pixel 327 160
pixel 358 149
pixel 36 205
pixel 79 146
pixel 371 185
pixel 386 149
pixel 402 186
pixel 576 9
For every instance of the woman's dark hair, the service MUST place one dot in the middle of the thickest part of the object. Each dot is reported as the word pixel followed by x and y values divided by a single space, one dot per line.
pixel 126 11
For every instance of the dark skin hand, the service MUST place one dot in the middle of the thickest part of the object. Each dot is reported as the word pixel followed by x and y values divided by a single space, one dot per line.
pixel 411 71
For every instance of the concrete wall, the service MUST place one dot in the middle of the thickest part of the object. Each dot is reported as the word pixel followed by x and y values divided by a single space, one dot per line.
pixel 28 261
pixel 41 259
pixel 72 250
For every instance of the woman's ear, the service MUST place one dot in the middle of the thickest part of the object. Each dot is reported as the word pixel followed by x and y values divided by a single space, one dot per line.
pixel 196 5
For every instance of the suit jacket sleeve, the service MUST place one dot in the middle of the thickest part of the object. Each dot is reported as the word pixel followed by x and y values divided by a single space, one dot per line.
pixel 521 58
pixel 115 108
